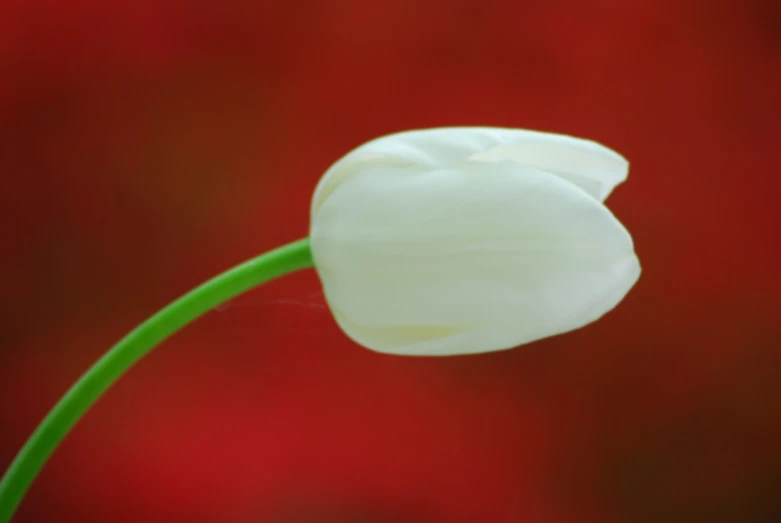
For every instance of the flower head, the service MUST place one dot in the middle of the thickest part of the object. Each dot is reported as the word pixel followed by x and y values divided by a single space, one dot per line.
pixel 465 240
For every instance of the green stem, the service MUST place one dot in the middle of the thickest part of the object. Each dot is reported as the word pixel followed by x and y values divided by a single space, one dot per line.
pixel 132 348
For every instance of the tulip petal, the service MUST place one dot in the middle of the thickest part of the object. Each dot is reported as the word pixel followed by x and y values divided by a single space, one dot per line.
pixel 585 163
pixel 426 340
pixel 473 258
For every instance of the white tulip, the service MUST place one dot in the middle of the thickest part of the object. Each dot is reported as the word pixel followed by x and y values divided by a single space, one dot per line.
pixel 466 240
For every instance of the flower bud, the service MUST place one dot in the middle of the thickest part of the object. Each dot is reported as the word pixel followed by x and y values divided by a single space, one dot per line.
pixel 465 240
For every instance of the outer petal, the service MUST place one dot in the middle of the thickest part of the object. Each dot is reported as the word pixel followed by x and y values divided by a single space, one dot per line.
pixel 472 259
pixel 587 164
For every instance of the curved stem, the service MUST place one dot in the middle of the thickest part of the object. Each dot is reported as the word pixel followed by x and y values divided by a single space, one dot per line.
pixel 132 348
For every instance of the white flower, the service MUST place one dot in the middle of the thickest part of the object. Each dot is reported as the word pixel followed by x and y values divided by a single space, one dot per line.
pixel 464 240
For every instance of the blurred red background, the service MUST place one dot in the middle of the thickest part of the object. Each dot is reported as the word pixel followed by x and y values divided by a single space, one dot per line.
pixel 147 146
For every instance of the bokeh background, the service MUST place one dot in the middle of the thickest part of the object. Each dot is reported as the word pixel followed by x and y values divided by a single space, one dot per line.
pixel 146 146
